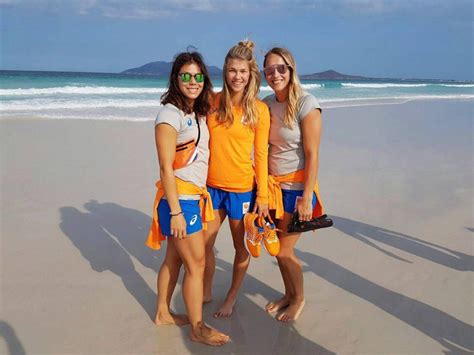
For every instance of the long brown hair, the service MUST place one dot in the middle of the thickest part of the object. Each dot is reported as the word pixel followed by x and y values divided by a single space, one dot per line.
pixel 244 51
pixel 295 91
pixel 174 95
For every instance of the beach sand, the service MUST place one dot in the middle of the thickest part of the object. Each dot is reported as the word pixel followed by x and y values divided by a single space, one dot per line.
pixel 394 275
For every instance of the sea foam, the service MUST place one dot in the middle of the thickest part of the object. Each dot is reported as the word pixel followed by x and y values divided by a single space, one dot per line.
pixel 381 85
pixel 81 90
pixel 42 105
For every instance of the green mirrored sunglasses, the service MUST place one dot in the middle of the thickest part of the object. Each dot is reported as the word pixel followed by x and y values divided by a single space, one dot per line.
pixel 186 77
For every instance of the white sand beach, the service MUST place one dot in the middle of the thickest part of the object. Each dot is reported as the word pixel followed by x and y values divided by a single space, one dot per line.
pixel 394 274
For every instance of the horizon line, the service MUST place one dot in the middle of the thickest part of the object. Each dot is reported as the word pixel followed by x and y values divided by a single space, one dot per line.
pixel 362 78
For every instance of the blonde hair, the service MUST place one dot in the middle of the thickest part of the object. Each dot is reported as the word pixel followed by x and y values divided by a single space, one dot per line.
pixel 295 91
pixel 244 51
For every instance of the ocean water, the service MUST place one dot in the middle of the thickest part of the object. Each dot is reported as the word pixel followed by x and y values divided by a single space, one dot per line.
pixel 68 95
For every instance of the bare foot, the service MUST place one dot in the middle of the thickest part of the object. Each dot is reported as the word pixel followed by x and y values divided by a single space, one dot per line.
pixel 275 306
pixel 207 335
pixel 166 318
pixel 292 312
pixel 225 311
pixel 207 298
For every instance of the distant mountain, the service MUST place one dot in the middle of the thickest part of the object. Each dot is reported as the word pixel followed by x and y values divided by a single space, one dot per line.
pixel 331 75
pixel 161 68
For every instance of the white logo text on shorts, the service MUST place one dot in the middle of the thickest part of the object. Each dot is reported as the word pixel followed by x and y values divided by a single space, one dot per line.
pixel 245 207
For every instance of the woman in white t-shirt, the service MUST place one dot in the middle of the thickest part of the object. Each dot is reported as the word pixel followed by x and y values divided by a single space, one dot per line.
pixel 293 162
pixel 182 204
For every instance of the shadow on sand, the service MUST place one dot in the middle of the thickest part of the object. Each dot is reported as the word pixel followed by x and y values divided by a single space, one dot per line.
pixel 14 345
pixel 367 233
pixel 108 235
pixel 450 332
pixel 252 329
pixel 104 252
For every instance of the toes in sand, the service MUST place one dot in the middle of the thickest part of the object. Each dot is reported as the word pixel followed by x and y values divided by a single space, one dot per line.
pixel 275 306
pixel 207 335
pixel 225 311
pixel 171 319
pixel 292 312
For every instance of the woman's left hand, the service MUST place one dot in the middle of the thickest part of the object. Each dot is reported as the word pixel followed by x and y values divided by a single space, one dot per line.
pixel 261 209
pixel 304 206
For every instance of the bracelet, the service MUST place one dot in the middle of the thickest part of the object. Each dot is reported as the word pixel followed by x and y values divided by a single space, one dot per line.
pixel 176 214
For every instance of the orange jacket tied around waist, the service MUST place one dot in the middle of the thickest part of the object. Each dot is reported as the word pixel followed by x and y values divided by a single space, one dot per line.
pixel 155 236
pixel 275 201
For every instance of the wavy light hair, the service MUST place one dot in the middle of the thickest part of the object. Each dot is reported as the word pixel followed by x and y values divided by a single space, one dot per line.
pixel 295 91
pixel 244 51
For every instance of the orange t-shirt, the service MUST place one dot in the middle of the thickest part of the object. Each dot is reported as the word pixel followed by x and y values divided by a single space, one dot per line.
pixel 230 163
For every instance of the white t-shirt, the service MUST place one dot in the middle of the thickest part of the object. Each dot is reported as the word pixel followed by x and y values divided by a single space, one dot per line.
pixel 187 129
pixel 286 153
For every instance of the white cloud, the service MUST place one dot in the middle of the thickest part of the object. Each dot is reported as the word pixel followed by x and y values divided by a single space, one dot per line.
pixel 151 9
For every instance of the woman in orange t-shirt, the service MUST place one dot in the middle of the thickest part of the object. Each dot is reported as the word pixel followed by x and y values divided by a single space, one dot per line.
pixel 238 126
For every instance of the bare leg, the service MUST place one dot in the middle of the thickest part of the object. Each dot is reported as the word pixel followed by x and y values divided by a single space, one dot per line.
pixel 241 264
pixel 277 305
pixel 192 252
pixel 166 282
pixel 210 236
pixel 291 272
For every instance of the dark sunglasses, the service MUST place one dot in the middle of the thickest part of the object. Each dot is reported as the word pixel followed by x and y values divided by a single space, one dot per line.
pixel 186 77
pixel 281 68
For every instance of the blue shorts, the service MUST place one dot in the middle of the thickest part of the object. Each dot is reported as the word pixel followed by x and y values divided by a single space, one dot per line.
pixel 191 212
pixel 290 197
pixel 235 204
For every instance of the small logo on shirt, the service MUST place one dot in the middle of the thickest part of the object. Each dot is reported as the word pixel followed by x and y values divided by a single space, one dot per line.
pixel 190 122
pixel 245 207
pixel 193 220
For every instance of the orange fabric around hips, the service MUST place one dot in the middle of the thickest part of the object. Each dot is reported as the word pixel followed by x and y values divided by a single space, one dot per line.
pixel 184 188
pixel 275 201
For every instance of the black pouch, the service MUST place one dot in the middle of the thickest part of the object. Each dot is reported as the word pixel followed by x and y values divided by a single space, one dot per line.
pixel 297 226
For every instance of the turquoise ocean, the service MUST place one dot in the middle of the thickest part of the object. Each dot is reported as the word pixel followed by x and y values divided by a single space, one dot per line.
pixel 69 95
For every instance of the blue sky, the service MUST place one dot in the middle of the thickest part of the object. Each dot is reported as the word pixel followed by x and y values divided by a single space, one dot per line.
pixel 375 38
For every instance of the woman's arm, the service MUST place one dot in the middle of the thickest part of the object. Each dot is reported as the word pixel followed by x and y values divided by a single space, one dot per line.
pixel 262 131
pixel 165 139
pixel 311 131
